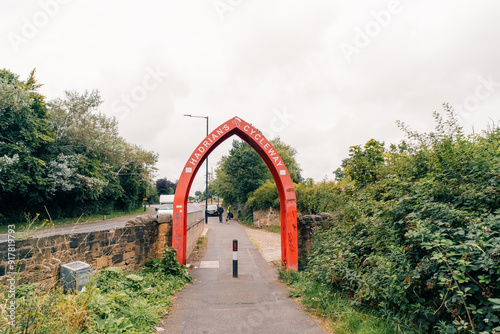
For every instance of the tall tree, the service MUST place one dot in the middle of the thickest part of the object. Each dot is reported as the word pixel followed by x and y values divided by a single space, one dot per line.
pixel 24 145
pixel 243 171
pixel 165 187
pixel 108 171
pixel 64 155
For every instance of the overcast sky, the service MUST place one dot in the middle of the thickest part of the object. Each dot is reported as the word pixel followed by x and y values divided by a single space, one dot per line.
pixel 322 75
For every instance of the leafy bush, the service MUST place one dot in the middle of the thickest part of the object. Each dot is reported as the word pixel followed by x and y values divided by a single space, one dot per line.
pixel 168 265
pixel 418 233
pixel 326 196
pixel 264 197
pixel 245 216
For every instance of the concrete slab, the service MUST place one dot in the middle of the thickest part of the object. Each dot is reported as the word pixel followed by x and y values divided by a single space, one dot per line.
pixel 209 264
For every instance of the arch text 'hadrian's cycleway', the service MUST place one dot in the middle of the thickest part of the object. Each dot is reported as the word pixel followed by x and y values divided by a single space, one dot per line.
pixel 288 205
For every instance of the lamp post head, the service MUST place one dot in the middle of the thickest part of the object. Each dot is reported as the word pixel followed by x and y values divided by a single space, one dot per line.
pixel 195 116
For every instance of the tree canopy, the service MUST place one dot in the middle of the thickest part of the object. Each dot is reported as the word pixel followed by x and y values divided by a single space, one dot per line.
pixel 243 171
pixel 165 187
pixel 64 157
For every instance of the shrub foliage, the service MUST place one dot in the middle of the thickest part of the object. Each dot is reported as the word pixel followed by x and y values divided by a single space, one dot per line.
pixel 114 301
pixel 417 229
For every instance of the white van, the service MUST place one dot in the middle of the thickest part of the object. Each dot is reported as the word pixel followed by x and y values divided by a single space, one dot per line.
pixel 166 205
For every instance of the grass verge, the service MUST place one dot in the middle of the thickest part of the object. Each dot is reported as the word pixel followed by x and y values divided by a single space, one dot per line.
pixel 201 242
pixel 272 228
pixel 113 302
pixel 342 318
pixel 268 228
pixel 199 251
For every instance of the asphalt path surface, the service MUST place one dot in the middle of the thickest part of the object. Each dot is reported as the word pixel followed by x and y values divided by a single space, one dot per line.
pixel 99 225
pixel 217 303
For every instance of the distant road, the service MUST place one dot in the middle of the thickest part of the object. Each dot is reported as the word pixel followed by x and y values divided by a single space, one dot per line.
pixel 99 225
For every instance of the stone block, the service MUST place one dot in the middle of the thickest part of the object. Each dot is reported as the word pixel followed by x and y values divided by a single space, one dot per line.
pixel 164 228
pixel 114 240
pixel 102 262
pixel 116 258
pixel 164 219
pixel 90 237
pixel 25 253
pixel 95 246
pixel 74 242
pixel 107 251
pixel 89 256
pixel 139 235
pixel 162 237
pixel 128 256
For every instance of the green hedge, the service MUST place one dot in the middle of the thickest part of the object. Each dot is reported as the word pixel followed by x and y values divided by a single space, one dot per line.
pixel 417 230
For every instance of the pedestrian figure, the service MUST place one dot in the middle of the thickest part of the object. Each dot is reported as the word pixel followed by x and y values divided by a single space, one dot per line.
pixel 220 211
pixel 229 214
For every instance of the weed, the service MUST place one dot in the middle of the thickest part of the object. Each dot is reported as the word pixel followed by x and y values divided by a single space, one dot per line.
pixel 319 299
pixel 113 301
pixel 201 242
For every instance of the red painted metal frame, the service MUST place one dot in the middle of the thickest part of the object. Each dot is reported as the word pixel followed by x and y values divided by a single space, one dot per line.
pixel 236 126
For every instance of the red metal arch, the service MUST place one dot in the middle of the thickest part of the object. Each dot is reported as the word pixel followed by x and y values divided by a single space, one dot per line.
pixel 236 126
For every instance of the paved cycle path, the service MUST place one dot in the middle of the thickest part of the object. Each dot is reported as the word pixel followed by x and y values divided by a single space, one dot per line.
pixel 217 303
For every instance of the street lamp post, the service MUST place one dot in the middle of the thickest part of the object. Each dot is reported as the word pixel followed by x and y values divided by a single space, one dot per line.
pixel 206 175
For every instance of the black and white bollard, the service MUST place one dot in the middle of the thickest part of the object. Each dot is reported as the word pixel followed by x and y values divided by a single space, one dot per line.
pixel 235 258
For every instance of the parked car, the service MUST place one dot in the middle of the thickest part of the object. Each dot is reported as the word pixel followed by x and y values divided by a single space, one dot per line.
pixel 212 210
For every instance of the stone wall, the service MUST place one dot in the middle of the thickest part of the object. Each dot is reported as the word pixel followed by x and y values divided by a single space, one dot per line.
pixel 306 225
pixel 39 259
pixel 195 216
pixel 267 217
pixel 195 226
pixel 194 231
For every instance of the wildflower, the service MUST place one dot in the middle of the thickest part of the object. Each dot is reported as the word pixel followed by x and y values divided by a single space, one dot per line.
pixel 343 190
pixel 486 320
